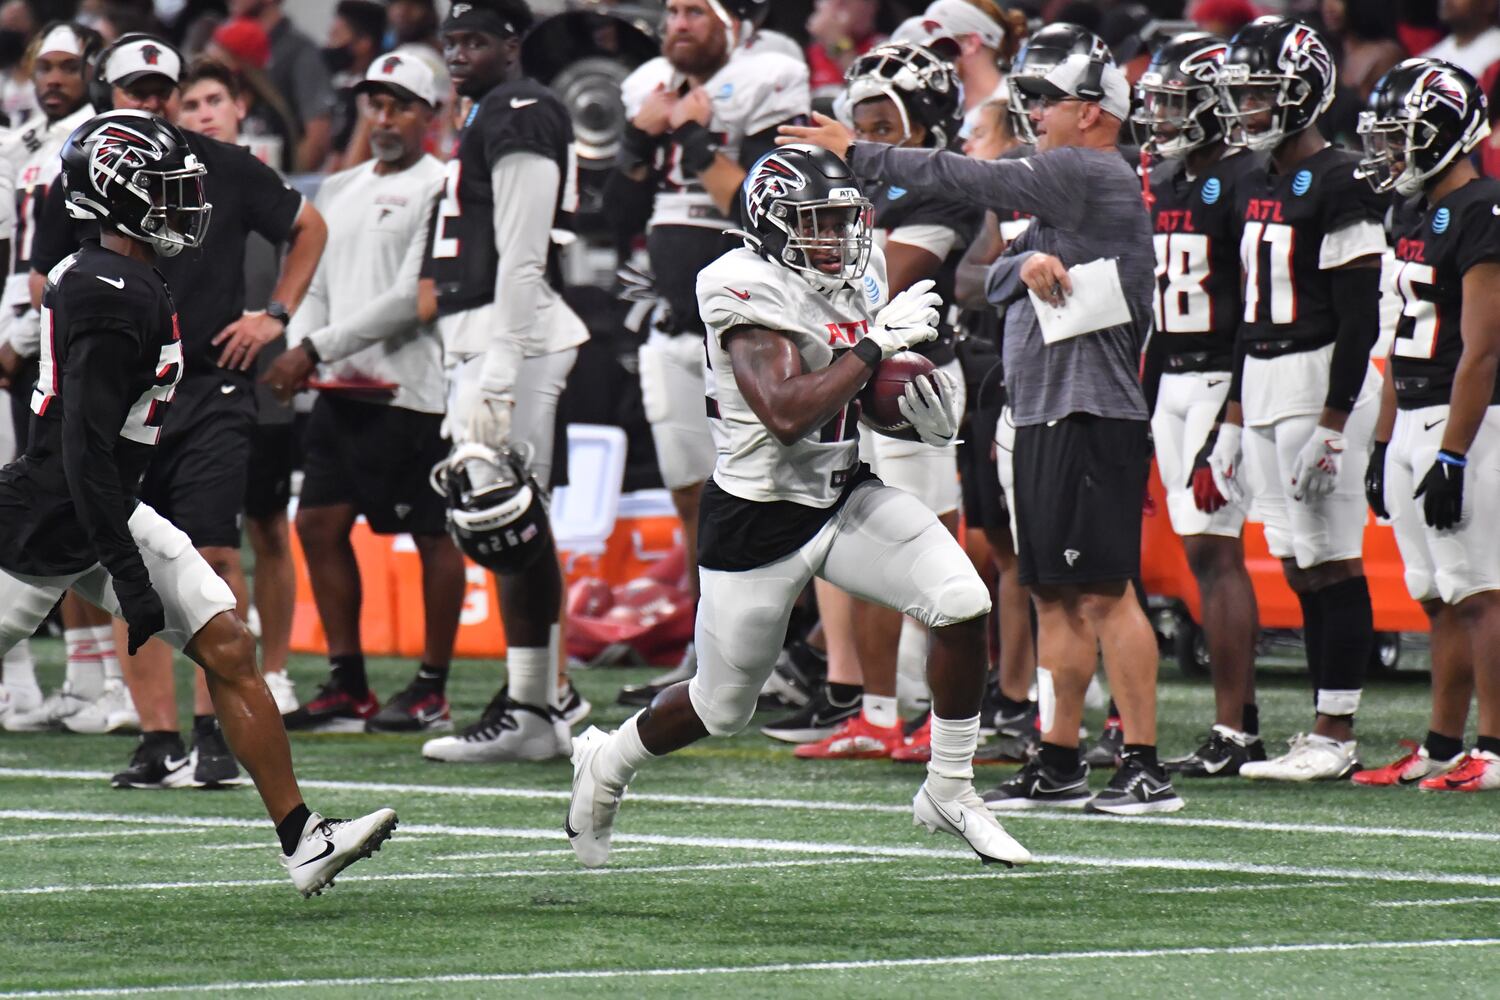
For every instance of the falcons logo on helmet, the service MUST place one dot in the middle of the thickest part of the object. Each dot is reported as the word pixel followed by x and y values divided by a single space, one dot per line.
pixel 115 149
pixel 772 178
pixel 1204 64
pixel 1438 87
pixel 1303 50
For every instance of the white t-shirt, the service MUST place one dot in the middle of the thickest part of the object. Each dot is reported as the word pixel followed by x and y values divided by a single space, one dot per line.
pixel 1475 57
pixel 742 288
pixel 360 312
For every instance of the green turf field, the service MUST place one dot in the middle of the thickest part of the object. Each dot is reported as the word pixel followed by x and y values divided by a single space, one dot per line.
pixel 741 871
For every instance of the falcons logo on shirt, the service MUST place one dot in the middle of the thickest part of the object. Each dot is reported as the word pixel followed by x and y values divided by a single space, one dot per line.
pixel 1437 87
pixel 1303 50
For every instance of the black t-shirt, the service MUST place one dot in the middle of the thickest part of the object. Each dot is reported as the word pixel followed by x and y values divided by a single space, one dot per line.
pixel 1288 298
pixel 1197 236
pixel 209 282
pixel 521 116
pixel 1436 245
pixel 110 362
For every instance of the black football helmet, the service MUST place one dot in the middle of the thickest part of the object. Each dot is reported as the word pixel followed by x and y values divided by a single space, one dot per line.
pixel 735 12
pixel 1039 53
pixel 1277 69
pixel 924 87
pixel 1424 114
pixel 803 208
pixel 497 513
pixel 1178 94
pixel 134 172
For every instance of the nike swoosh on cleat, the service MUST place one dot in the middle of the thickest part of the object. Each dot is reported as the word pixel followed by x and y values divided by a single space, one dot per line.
pixel 568 829
pixel 327 850
pixel 1214 768
pixel 176 763
pixel 961 823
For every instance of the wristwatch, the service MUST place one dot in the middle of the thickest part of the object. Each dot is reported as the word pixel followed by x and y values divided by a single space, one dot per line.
pixel 278 311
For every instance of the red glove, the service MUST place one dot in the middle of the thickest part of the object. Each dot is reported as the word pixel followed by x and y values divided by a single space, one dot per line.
pixel 1206 493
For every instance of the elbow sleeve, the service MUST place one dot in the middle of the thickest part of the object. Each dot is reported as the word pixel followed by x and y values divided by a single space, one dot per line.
pixel 1357 290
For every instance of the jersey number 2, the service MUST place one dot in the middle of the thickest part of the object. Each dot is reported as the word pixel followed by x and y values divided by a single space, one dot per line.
pixel 443 245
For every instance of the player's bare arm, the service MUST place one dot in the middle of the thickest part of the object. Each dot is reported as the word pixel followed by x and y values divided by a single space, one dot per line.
pixel 246 337
pixel 790 401
pixel 1474 379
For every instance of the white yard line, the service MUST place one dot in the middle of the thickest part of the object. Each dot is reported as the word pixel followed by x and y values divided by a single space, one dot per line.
pixel 20 838
pixel 448 876
pixel 1188 890
pixel 1456 901
pixel 812 805
pixel 830 849
pixel 566 851
pixel 1023 958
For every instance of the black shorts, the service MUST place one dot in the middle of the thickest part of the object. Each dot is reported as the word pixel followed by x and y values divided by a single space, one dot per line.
pixel 1079 485
pixel 197 475
pixel 979 474
pixel 273 453
pixel 375 458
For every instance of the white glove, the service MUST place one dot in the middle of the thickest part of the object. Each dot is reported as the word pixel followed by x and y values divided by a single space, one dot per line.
pixel 1315 472
pixel 489 422
pixel 929 404
pixel 1224 463
pixel 910 318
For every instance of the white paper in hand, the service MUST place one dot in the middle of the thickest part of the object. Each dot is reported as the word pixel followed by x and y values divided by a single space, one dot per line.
pixel 1097 303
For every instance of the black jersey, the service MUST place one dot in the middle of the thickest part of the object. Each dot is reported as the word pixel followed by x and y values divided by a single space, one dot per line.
pixel 521 116
pixel 1288 297
pixel 1197 235
pixel 1435 246
pixel 110 362
pixel 898 208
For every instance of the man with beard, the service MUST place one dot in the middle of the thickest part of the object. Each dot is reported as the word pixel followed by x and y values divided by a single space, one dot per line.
pixel 701 115
pixel 367 455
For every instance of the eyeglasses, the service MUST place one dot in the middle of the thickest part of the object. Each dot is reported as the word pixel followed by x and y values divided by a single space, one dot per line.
pixel 1047 103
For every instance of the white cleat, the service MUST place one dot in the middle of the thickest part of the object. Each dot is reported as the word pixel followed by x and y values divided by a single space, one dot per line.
pixel 48 715
pixel 16 700
pixel 967 819
pixel 328 846
pixel 516 733
pixel 283 691
pixel 1309 757
pixel 112 711
pixel 590 822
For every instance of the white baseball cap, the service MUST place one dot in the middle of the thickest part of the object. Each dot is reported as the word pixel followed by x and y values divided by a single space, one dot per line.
pixel 951 19
pixel 146 56
pixel 1087 79
pixel 405 74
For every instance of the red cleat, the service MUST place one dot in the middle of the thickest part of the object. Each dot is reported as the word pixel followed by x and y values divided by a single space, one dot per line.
pixel 856 739
pixel 1478 772
pixel 916 748
pixel 1410 769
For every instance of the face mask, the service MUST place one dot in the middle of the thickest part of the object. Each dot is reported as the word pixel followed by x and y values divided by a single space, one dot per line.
pixel 12 48
pixel 338 60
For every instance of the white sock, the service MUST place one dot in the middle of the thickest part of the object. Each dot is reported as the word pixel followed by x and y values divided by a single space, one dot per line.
pixel 622 755
pixel 911 662
pixel 950 770
pixel 532 673
pixel 17 669
pixel 880 710
pixel 85 673
pixel 104 641
pixel 554 657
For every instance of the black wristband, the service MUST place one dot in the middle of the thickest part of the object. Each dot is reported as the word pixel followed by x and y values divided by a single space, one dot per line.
pixel 637 148
pixel 311 350
pixel 869 352
pixel 699 147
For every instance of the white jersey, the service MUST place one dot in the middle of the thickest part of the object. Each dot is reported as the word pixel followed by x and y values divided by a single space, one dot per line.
pixel 754 92
pixel 360 311
pixel 742 288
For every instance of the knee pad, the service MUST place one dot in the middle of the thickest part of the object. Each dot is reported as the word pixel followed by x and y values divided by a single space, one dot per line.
pixel 961 598
pixel 723 712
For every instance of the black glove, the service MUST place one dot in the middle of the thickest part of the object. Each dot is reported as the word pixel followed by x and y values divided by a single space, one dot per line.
pixel 1375 480
pixel 1444 488
pixel 141 609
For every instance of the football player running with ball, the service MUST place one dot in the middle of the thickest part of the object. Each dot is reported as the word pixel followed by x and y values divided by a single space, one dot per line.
pixel 1303 402
pixel 1188 361
pixel 69 518
pixel 798 322
pixel 1435 467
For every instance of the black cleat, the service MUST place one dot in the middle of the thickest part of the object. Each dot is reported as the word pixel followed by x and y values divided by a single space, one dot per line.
pixel 418 708
pixel 1036 787
pixel 799 671
pixel 1136 789
pixel 157 765
pixel 642 694
pixel 814 721
pixel 214 765
pixel 1220 756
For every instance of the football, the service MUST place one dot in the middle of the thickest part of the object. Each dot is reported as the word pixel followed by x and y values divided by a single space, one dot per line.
pixel 877 400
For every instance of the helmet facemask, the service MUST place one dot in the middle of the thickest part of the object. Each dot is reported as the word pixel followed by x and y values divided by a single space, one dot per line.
pixel 1244 95
pixel 1168 116
pixel 1390 148
pixel 828 241
pixel 179 214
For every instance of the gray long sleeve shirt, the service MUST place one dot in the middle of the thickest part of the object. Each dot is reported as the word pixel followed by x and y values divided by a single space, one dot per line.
pixel 1086 204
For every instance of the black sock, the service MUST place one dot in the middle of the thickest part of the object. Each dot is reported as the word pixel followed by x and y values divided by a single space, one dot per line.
pixel 204 723
pixel 430 678
pixel 349 673
pixel 844 695
pixel 1250 720
pixel 1060 760
pixel 168 739
pixel 1312 638
pixel 1440 747
pixel 290 828
pixel 812 661
pixel 1141 753
pixel 1113 711
pixel 1012 707
pixel 1488 744
pixel 1348 634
